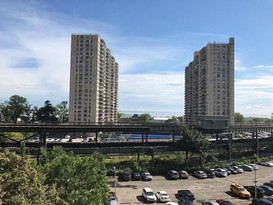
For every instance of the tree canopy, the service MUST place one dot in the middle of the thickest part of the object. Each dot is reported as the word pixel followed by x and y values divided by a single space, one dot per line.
pixel 192 141
pixel 145 118
pixel 238 117
pixel 16 108
pixel 60 179
pixel 22 184
pixel 79 180
pixel 62 112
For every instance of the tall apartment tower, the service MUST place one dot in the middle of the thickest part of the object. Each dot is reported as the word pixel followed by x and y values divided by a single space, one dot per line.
pixel 209 84
pixel 93 95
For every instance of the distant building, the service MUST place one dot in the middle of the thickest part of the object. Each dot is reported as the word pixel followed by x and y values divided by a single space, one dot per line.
pixel 93 95
pixel 209 85
pixel 160 119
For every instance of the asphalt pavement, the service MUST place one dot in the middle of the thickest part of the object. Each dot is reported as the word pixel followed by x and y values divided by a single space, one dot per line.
pixel 129 192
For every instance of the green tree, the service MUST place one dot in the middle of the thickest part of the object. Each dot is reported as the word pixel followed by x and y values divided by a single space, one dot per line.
pixel 238 117
pixel 62 112
pixel 34 114
pixel 22 184
pixel 80 180
pixel 47 113
pixel 193 141
pixel 16 108
pixel 119 116
pixel 174 120
pixel 145 118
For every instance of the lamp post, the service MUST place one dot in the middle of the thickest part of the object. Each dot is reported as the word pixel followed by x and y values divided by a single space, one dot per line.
pixel 115 181
pixel 255 182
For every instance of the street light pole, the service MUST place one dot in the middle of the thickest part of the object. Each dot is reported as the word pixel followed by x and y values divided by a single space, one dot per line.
pixel 255 182
pixel 115 182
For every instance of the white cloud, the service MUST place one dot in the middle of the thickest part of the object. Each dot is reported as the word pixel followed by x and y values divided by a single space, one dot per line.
pixel 239 67
pixel 254 96
pixel 153 91
pixel 263 66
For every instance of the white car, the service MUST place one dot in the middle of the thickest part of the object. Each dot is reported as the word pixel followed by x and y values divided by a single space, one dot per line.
pixel 148 195
pixel 266 163
pixel 162 196
pixel 171 203
pixel 146 176
pixel 255 166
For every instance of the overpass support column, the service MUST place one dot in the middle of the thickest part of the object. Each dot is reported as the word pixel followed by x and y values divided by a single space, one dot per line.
pixel 96 137
pixel 43 139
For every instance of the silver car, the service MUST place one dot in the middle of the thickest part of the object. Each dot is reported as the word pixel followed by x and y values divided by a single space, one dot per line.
pixel 238 169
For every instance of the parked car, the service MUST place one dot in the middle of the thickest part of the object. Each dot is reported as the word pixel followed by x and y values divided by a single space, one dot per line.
pixel 136 176
pixel 270 198
pixel 210 173
pixel 265 163
pixel 238 169
pixel 255 166
pixel 171 203
pixel 240 191
pixel 200 174
pixel 252 189
pixel 113 196
pixel 172 174
pixel 219 172
pixel 209 202
pixel 183 174
pixel 232 170
pixel 148 195
pixel 268 190
pixel 186 193
pixel 261 201
pixel 268 184
pixel 224 202
pixel 185 201
pixel 113 199
pixel 247 168
pixel 228 171
pixel 126 176
pixel 146 176
pixel 162 196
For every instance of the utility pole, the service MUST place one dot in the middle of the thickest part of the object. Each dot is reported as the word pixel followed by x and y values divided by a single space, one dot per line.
pixel 255 182
pixel 115 182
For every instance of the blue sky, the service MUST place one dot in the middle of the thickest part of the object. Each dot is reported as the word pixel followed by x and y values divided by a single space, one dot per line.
pixel 152 40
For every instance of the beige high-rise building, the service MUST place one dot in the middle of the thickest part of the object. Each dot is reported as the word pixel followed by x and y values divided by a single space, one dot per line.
pixel 93 95
pixel 209 84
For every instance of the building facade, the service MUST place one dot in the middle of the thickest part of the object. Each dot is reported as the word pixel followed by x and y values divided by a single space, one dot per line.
pixel 93 95
pixel 209 84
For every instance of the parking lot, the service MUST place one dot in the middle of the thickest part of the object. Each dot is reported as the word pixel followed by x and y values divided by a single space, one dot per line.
pixel 129 192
